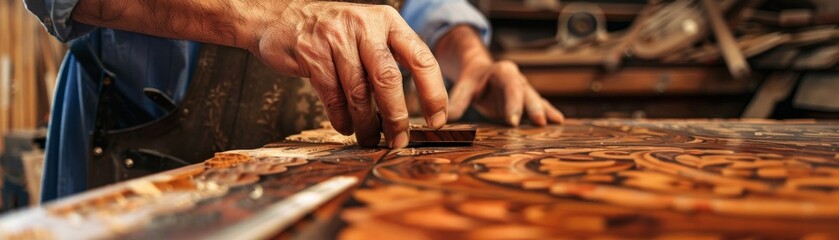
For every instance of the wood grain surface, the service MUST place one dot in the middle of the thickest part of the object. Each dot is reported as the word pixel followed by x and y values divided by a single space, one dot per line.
pixel 671 179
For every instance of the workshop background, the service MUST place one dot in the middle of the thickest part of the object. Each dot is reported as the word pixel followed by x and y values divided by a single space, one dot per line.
pixel 592 59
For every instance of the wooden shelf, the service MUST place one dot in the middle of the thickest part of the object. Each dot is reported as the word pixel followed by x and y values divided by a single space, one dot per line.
pixel 632 81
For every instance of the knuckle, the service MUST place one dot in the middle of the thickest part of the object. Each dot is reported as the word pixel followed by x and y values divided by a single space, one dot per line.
pixel 360 94
pixel 388 78
pixel 401 34
pixel 306 51
pixel 354 16
pixel 335 103
pixel 387 10
pixel 395 118
pixel 313 58
pixel 349 13
pixel 330 28
pixel 425 62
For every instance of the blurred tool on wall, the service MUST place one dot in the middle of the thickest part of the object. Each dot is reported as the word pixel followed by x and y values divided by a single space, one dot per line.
pixel 676 59
pixel 29 63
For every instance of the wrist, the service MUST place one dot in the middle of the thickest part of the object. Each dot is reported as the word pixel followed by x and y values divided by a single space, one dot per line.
pixel 461 50
pixel 476 58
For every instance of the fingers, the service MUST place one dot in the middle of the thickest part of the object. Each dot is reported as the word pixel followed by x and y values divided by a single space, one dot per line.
pixel 347 54
pixel 325 82
pixel 353 79
pixel 519 94
pixel 334 102
pixel 386 80
pixel 554 115
pixel 414 54
pixel 460 99
pixel 514 100
pixel 535 107
pixel 513 84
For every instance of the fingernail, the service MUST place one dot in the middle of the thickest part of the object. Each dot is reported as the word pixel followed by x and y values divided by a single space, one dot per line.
pixel 400 141
pixel 514 120
pixel 439 119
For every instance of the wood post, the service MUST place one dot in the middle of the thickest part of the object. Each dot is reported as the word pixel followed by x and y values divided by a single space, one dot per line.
pixel 6 32
pixel 29 61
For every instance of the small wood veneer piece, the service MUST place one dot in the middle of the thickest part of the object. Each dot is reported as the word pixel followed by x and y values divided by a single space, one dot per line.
pixel 447 135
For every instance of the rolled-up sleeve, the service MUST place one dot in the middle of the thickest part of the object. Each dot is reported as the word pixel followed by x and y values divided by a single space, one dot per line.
pixel 55 16
pixel 432 19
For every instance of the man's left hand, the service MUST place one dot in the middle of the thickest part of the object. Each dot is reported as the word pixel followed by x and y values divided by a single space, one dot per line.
pixel 498 90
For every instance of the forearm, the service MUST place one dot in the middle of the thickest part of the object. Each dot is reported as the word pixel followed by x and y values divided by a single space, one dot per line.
pixel 460 45
pixel 232 23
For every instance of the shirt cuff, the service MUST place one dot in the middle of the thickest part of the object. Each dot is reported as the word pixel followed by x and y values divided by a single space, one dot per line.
pixel 55 16
pixel 432 19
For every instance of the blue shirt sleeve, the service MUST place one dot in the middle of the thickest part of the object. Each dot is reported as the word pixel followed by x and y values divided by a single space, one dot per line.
pixel 432 19
pixel 55 16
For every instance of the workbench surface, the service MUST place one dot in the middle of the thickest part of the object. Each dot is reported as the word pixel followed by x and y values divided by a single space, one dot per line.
pixel 588 178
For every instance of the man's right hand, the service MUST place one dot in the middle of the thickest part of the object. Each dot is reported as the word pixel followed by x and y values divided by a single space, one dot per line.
pixel 350 51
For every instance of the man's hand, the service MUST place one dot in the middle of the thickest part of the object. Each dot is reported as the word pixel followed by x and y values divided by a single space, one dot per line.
pixel 497 90
pixel 500 91
pixel 349 51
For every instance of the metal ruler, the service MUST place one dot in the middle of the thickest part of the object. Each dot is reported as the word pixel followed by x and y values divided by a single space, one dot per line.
pixel 284 213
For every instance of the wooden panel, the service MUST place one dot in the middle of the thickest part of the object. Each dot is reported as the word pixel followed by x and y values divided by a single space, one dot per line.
pixel 715 179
